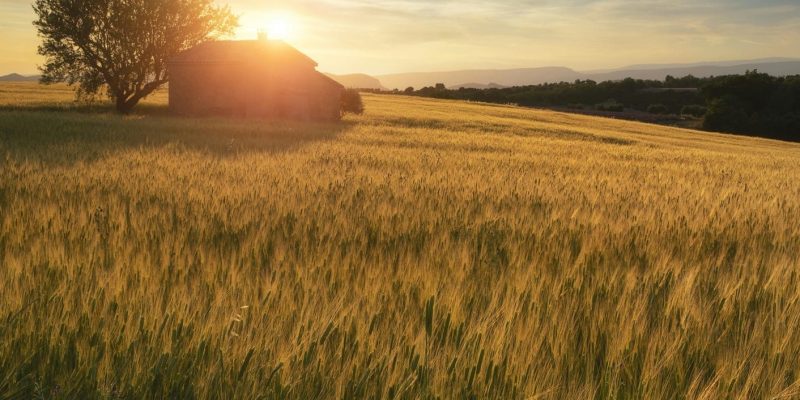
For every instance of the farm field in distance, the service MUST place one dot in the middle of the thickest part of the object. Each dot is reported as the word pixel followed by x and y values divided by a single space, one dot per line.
pixel 426 249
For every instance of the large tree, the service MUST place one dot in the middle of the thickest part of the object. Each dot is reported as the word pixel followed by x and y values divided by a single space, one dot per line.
pixel 122 46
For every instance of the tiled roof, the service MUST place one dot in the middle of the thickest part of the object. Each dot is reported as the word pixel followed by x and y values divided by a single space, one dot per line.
pixel 236 51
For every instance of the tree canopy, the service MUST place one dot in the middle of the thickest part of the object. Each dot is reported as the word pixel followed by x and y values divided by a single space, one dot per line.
pixel 122 46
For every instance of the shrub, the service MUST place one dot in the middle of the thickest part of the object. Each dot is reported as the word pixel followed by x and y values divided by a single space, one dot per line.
pixel 610 105
pixel 726 114
pixel 351 102
pixel 657 109
pixel 694 110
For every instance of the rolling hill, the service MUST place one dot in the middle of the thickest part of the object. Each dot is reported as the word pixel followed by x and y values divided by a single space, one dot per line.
pixel 491 85
pixel 425 249
pixel 357 81
pixel 19 78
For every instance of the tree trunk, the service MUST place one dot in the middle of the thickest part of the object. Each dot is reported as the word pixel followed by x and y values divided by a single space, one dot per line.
pixel 123 106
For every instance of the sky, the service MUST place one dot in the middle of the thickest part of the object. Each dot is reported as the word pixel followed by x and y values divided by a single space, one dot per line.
pixel 389 36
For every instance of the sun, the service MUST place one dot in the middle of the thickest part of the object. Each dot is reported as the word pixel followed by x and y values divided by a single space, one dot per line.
pixel 280 28
pixel 272 25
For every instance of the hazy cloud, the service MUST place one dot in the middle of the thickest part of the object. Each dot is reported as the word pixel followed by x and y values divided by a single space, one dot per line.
pixel 398 35
pixel 402 35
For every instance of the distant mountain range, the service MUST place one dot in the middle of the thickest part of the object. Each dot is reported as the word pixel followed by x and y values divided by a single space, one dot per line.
pixel 534 76
pixel 500 78
pixel 18 78
pixel 473 85
pixel 730 63
pixel 779 68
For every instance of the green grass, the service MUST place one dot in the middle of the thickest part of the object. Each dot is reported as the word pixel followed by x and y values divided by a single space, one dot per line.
pixel 427 249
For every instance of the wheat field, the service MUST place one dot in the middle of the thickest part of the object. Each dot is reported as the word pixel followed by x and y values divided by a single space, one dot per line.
pixel 425 250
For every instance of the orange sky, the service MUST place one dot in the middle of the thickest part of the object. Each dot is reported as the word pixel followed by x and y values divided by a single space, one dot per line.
pixel 421 35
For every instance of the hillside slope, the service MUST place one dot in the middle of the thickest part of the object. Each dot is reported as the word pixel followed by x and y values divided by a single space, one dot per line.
pixel 18 78
pixel 357 81
pixel 425 249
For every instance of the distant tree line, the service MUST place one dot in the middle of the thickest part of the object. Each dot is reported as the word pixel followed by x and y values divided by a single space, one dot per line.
pixel 752 104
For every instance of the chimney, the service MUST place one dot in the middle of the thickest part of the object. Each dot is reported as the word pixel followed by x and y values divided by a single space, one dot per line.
pixel 262 36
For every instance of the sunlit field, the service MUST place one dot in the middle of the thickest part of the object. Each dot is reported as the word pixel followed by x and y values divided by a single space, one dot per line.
pixel 427 249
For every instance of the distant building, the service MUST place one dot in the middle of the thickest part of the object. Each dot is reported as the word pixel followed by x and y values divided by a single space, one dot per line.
pixel 253 78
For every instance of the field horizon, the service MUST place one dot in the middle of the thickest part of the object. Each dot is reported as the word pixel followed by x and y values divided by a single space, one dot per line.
pixel 428 249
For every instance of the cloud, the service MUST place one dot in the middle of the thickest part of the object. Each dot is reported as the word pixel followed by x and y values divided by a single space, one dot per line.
pixel 376 36
pixel 397 35
pixel 18 40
